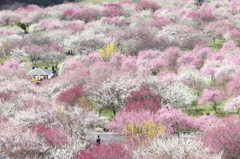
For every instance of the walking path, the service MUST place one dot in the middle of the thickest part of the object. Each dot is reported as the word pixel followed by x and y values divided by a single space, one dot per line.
pixel 109 136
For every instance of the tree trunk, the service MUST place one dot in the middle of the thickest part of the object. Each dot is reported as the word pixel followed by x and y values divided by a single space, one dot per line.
pixel 214 41
pixel 100 111
pixel 215 107
pixel 195 105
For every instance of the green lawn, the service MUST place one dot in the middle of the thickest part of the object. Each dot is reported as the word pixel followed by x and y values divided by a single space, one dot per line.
pixel 218 43
pixel 7 26
pixel 107 113
pixel 203 109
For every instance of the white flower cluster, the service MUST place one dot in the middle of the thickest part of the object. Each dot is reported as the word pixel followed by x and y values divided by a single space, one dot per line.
pixel 112 92
pixel 195 79
pixel 174 148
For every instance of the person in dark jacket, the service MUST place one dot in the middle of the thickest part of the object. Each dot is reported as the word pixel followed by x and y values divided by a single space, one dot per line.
pixel 98 140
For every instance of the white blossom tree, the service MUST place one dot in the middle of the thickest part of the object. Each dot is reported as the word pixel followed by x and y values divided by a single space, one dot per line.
pixel 114 90
pixel 175 148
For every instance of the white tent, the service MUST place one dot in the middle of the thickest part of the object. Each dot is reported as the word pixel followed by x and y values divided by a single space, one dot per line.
pixel 41 72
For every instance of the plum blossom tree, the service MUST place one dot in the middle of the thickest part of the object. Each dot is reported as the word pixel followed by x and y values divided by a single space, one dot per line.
pixel 87 40
pixel 202 15
pixel 174 119
pixel 33 52
pixel 53 54
pixel 124 118
pixel 202 54
pixel 171 56
pixel 177 94
pixel 130 63
pixel 232 104
pixel 225 73
pixel 211 95
pixel 174 147
pixel 158 63
pixel 186 60
pixel 11 63
pixel 233 86
pixel 144 5
pixel 19 143
pixel 76 26
pixel 224 137
pixel 84 13
pixel 49 25
pixel 194 79
pixel 113 149
pixel 70 97
pixel 112 10
pixel 8 43
pixel 218 28
pixel 205 121
pixel 159 22
pixel 234 34
pixel 117 59
pixel 145 56
pixel 143 99
pixel 113 91
pixel 229 48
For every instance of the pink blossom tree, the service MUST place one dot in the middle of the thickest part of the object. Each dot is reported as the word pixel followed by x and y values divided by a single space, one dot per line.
pixel 85 13
pixel 235 35
pixel 233 86
pixel 117 59
pixel 233 104
pixel 75 26
pixel 201 15
pixel 33 52
pixel 112 10
pixel 129 64
pixel 16 142
pixel 171 56
pixel 187 59
pixel 224 137
pixel 174 119
pixel 11 64
pixel 211 95
pixel 143 5
pixel 159 22
pixel 218 28
pixel 205 121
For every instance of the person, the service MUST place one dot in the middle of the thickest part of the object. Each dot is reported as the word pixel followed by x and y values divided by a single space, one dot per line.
pixel 98 140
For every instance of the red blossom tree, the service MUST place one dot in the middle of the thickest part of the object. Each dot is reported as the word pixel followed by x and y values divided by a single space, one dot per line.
pixel 143 99
pixel 70 97
pixel 52 135
pixel 115 150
